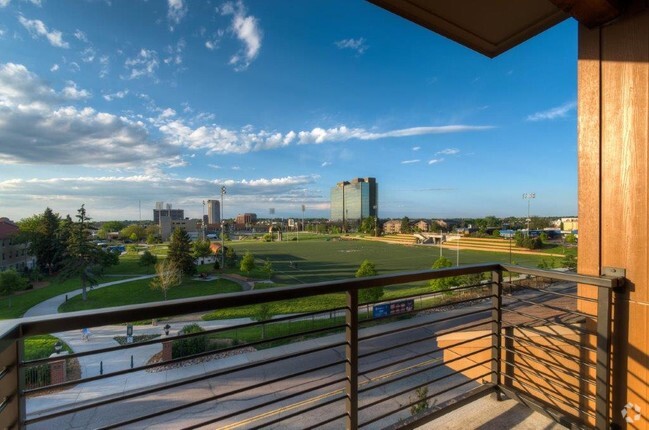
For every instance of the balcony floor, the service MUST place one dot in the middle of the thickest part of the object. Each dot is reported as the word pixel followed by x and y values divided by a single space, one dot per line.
pixel 487 413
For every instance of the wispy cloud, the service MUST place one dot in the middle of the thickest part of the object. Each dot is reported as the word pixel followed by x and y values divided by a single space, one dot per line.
pixel 54 68
pixel 416 148
pixel 410 161
pixel 357 45
pixel 215 139
pixel 37 28
pixel 553 113
pixel 448 151
pixel 246 29
pixel 117 95
pixel 435 161
pixel 177 11
pixel 145 63
pixel 325 164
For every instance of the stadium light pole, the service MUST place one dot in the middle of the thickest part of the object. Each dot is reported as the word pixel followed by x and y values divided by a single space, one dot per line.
pixel 223 192
pixel 203 220
pixel 528 197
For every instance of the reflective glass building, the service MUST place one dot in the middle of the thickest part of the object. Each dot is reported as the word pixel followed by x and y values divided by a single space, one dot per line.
pixel 354 200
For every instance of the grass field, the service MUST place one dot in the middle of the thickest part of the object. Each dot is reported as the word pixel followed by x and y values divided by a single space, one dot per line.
pixel 323 260
pixel 141 292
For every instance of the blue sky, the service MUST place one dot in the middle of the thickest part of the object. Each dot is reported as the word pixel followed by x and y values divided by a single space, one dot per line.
pixel 113 102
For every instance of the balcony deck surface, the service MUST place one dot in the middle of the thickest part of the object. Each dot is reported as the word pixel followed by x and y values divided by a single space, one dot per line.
pixel 487 413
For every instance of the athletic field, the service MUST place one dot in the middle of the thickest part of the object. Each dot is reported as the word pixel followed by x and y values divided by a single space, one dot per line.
pixel 323 260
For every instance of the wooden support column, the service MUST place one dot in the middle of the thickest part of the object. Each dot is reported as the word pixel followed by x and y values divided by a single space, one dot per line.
pixel 613 142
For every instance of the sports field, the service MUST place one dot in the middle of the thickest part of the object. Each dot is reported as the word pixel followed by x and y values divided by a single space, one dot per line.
pixel 323 260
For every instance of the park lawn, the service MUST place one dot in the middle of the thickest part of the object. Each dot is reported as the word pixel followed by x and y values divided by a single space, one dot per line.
pixel 42 346
pixel 141 292
pixel 16 305
pixel 129 263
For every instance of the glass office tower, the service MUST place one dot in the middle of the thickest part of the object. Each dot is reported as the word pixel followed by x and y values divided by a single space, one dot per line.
pixel 354 200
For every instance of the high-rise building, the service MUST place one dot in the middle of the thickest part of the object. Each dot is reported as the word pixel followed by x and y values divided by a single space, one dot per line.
pixel 354 200
pixel 213 212
pixel 174 214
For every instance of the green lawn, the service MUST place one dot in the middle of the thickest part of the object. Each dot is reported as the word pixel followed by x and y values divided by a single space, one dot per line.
pixel 141 292
pixel 323 260
pixel 15 306
pixel 41 346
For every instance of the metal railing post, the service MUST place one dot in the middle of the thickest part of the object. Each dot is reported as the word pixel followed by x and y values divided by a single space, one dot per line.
pixel 603 366
pixel 351 357
pixel 496 325
pixel 10 408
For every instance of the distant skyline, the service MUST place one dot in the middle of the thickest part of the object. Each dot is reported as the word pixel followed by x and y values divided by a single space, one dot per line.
pixel 113 103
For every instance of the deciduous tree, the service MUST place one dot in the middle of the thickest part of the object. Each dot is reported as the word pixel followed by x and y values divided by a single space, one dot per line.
pixel 367 268
pixel 168 275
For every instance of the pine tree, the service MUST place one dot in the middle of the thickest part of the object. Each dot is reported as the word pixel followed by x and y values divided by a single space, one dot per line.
pixel 180 252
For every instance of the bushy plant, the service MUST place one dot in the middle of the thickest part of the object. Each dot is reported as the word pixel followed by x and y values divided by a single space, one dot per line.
pixel 191 345
pixel 11 281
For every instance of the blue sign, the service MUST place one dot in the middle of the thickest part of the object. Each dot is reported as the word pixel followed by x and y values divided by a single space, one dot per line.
pixel 394 308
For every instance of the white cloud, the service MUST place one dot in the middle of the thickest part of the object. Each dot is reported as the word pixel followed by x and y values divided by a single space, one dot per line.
pixel 246 29
pixel 325 164
pixel 144 64
pixel 236 168
pixel 80 35
pixel 71 92
pixel 4 3
pixel 357 45
pixel 54 68
pixel 410 161
pixel 88 55
pixel 74 67
pixel 175 53
pixel 117 95
pixel 37 28
pixel 210 45
pixel 104 62
pixel 220 140
pixel 39 126
pixel 448 151
pixel 35 2
pixel 177 11
pixel 435 160
pixel 416 148
pixel 553 113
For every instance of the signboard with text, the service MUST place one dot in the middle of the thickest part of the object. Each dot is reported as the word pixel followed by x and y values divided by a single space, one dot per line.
pixel 393 308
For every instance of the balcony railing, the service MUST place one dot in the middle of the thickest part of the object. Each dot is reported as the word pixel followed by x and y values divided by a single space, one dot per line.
pixel 541 337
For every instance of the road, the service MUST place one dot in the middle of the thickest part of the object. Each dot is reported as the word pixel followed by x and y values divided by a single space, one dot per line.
pixel 276 394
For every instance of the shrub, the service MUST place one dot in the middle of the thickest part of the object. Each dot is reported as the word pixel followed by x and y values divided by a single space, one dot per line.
pixel 11 281
pixel 189 346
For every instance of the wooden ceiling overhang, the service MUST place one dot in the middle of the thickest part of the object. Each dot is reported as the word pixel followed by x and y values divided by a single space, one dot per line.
pixel 492 27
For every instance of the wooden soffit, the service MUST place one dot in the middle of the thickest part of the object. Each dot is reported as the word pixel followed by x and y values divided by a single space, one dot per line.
pixel 492 27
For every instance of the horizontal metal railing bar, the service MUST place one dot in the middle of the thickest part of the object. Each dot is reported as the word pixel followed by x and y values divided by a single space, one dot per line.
pixel 553 352
pixel 546 306
pixel 4 403
pixel 422 370
pixel 423 354
pixel 557 367
pixel 406 406
pixel 294 414
pixel 526 355
pixel 550 380
pixel 162 339
pixel 325 422
pixel 169 362
pixel 553 322
pixel 551 396
pixel 560 293
pixel 5 370
pixel 573 343
pixel 431 293
pixel 596 281
pixel 186 381
pixel 416 311
pixel 223 417
pixel 442 409
pixel 423 324
pixel 100 317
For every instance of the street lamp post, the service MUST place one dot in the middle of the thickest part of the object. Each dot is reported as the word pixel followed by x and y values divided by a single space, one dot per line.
pixel 203 220
pixel 223 192
pixel 528 197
